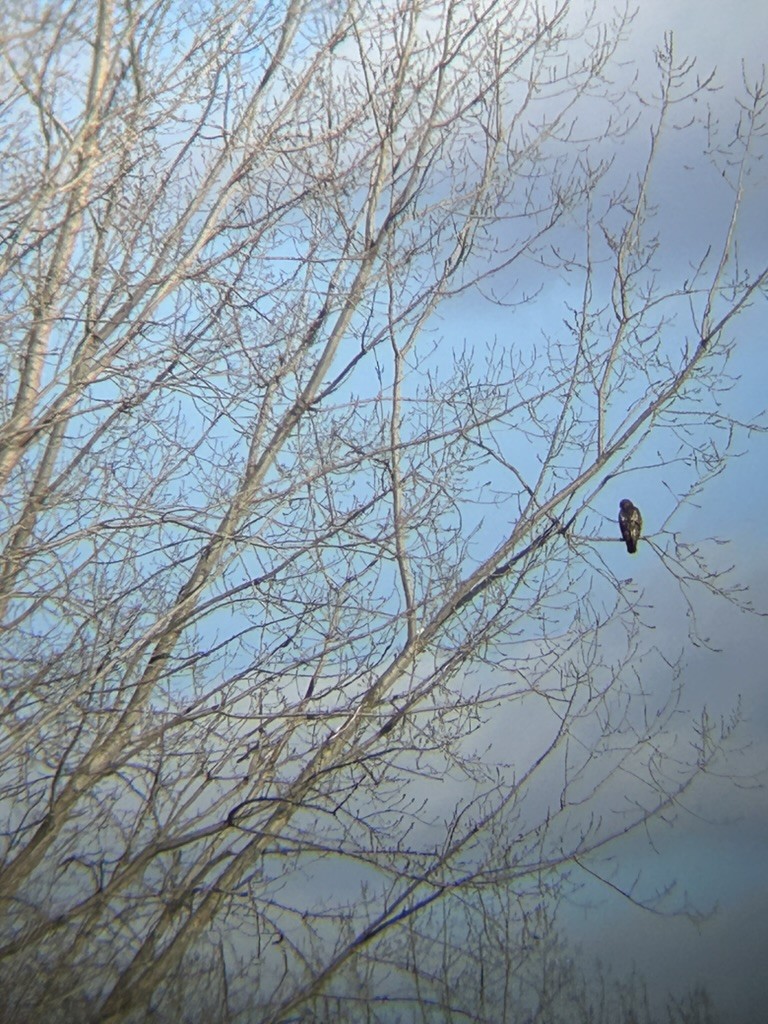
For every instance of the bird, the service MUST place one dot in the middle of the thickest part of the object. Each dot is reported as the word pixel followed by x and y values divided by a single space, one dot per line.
pixel 631 523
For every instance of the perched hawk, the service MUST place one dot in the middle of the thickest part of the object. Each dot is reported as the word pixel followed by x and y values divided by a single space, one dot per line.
pixel 631 523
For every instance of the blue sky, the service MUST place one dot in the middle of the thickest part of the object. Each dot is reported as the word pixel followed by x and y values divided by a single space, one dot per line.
pixel 716 851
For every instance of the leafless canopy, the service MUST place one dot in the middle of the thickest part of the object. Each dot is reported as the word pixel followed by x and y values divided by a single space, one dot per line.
pixel 326 330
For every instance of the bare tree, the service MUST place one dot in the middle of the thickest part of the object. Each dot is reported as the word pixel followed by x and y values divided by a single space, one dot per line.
pixel 484 960
pixel 314 616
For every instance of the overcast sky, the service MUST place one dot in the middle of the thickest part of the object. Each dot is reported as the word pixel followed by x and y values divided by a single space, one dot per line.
pixel 717 852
